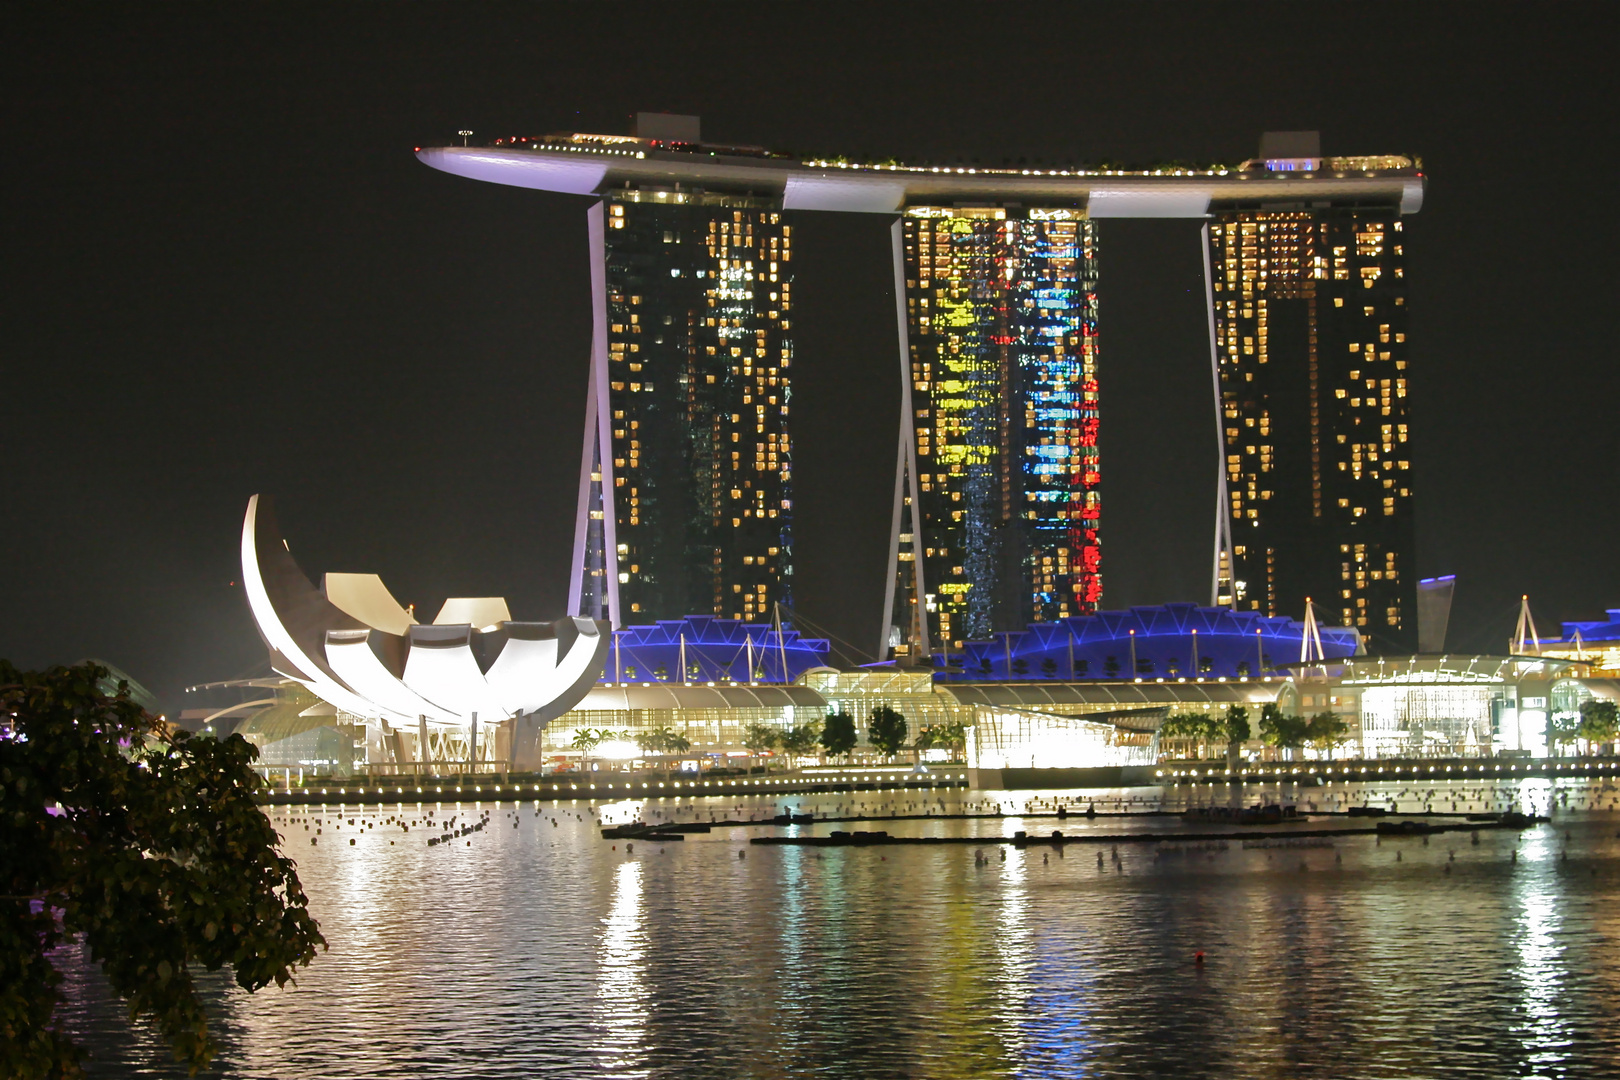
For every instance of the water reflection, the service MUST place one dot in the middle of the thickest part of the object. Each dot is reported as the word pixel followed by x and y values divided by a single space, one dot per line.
pixel 1015 953
pixel 621 992
pixel 536 948
pixel 1539 971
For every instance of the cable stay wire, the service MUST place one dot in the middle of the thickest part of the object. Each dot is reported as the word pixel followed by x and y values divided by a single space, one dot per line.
pixel 856 655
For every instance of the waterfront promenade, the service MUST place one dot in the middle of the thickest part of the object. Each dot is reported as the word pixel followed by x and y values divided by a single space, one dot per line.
pixel 611 786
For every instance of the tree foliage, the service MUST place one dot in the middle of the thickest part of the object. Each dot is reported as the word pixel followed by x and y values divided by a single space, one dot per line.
pixel 838 734
pixel 886 731
pixel 761 737
pixel 1600 722
pixel 663 741
pixel 1281 729
pixel 1201 728
pixel 950 736
pixel 145 844
pixel 802 738
pixel 587 739
pixel 1236 724
pixel 1562 730
pixel 1326 730
pixel 1185 726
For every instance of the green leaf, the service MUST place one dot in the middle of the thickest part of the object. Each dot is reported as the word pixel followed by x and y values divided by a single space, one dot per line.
pixel 158 844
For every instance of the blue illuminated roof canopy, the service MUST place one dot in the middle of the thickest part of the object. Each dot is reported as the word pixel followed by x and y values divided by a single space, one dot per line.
pixel 716 650
pixel 1602 630
pixel 1165 641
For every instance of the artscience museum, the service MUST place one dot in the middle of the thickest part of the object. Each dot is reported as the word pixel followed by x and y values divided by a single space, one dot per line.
pixel 474 687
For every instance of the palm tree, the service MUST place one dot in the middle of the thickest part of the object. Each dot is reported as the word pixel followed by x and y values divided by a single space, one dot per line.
pixel 586 740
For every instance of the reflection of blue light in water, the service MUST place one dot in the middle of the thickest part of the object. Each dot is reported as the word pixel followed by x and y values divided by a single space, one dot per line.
pixel 1541 969
pixel 1059 1040
pixel 1042 1015
pixel 621 993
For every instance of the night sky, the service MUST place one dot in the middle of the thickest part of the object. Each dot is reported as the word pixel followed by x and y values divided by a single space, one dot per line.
pixel 226 273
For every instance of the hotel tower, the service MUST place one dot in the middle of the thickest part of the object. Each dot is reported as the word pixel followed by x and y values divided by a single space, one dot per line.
pixel 996 498
pixel 686 498
pixel 1309 336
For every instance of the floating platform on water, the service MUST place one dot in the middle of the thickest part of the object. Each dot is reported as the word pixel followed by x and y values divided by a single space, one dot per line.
pixel 1058 838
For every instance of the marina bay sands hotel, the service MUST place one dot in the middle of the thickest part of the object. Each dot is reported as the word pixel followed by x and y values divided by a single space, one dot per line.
pixel 686 479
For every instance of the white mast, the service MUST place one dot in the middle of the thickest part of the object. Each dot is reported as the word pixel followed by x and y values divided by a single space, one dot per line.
pixel 1310 641
pixel 1525 633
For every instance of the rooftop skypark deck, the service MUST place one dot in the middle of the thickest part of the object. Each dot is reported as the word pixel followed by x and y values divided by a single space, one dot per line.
pixel 584 164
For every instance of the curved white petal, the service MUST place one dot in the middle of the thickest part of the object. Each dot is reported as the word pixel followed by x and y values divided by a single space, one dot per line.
pixel 483 612
pixel 366 598
pixel 518 674
pixel 349 653
pixel 278 636
pixel 441 667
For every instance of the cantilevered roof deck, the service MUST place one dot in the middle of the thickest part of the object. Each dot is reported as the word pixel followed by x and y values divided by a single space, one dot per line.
pixel 627 697
pixel 1039 695
pixel 587 165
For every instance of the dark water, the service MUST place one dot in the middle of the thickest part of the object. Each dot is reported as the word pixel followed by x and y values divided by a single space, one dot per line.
pixel 543 950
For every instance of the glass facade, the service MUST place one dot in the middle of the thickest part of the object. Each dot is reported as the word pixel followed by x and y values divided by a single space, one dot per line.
pixel 1309 318
pixel 1001 327
pixel 698 292
pixel 1003 738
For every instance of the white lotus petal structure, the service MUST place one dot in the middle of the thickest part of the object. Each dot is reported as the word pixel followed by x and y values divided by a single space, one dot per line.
pixel 353 645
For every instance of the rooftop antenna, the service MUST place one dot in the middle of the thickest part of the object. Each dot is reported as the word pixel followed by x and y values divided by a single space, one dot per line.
pixel 465 135
pixel 1525 632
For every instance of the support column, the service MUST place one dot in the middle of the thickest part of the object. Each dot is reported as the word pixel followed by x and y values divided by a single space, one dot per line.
pixel 1223 520
pixel 597 493
pixel 905 475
